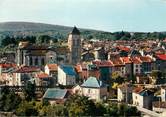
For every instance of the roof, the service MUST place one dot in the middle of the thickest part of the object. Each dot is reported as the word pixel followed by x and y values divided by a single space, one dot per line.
pixel 7 65
pixel 75 31
pixel 42 75
pixel 146 92
pixel 136 60
pixel 145 59
pixel 52 67
pixel 78 68
pixel 54 93
pixel 93 82
pixel 161 57
pixel 27 69
pixel 124 48
pixel 69 70
pixel 126 60
pixel 103 63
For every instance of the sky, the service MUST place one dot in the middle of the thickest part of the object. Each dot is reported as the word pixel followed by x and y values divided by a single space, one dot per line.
pixel 106 15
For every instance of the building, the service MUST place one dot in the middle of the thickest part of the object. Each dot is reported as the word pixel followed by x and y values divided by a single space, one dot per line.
pixel 43 79
pixel 74 44
pixel 143 98
pixel 56 96
pixel 66 75
pixel 94 89
pixel 125 93
pixel 24 74
pixel 163 94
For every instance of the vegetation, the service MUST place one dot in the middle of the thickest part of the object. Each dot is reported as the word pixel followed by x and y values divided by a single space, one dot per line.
pixel 74 106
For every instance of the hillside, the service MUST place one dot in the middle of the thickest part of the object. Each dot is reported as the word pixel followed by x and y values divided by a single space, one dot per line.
pixel 34 29
pixel 23 29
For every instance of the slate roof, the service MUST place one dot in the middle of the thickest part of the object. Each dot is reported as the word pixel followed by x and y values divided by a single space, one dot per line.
pixel 54 93
pixel 69 70
pixel 93 83
pixel 75 31
pixel 146 93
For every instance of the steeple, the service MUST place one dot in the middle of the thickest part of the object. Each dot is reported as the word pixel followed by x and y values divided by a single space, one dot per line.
pixel 75 31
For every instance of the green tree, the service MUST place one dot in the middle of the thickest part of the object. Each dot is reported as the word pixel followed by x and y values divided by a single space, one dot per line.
pixel 80 106
pixel 29 91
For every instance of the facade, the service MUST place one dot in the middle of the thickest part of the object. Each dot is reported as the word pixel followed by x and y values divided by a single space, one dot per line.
pixel 163 94
pixel 74 44
pixel 124 93
pixel 66 75
pixel 143 98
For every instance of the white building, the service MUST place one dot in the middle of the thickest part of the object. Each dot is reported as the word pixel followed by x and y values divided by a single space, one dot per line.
pixel 125 93
pixel 163 94
pixel 94 89
pixel 143 98
pixel 66 75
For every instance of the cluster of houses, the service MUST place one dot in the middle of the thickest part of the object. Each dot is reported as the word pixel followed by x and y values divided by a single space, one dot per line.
pixel 85 67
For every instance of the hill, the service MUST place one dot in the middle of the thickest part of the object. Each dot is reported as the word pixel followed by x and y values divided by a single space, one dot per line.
pixel 34 29
pixel 23 29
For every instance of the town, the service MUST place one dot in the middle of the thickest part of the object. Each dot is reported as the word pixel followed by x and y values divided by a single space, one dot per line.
pixel 132 73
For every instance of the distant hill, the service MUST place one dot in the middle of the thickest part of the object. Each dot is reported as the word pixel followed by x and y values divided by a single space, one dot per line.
pixel 23 29
pixel 30 26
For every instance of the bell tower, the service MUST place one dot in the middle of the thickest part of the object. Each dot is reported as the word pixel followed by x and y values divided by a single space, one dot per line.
pixel 74 44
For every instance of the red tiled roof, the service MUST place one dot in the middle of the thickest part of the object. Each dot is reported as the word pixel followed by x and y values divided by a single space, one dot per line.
pixel 42 75
pixel 78 68
pixel 136 60
pixel 103 63
pixel 145 59
pixel 124 48
pixel 52 67
pixel 27 69
pixel 161 57
pixel 138 89
pixel 7 65
pixel 117 62
pixel 126 59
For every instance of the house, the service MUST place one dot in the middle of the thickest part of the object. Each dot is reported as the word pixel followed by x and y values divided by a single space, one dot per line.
pixel 124 93
pixel 94 89
pixel 66 75
pixel 42 79
pixel 52 70
pixel 24 74
pixel 137 65
pixel 163 94
pixel 56 96
pixel 160 62
pixel 143 98
pixel 105 68
pixel 128 65
pixel 147 64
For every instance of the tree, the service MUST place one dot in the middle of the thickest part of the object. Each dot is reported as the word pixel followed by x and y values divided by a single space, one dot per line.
pixel 29 91
pixel 9 101
pixel 80 106
pixel 27 109
pixel 43 39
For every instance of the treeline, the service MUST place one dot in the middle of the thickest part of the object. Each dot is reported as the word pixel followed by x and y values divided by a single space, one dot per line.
pixel 43 37
pixel 32 39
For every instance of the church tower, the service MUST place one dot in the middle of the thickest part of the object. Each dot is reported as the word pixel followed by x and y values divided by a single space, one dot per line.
pixel 74 44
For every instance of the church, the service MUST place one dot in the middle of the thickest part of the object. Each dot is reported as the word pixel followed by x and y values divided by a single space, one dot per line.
pixel 39 55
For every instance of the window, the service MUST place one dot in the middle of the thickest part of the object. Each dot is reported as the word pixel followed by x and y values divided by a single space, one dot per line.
pixel 36 61
pixel 88 90
pixel 30 61
pixel 42 61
